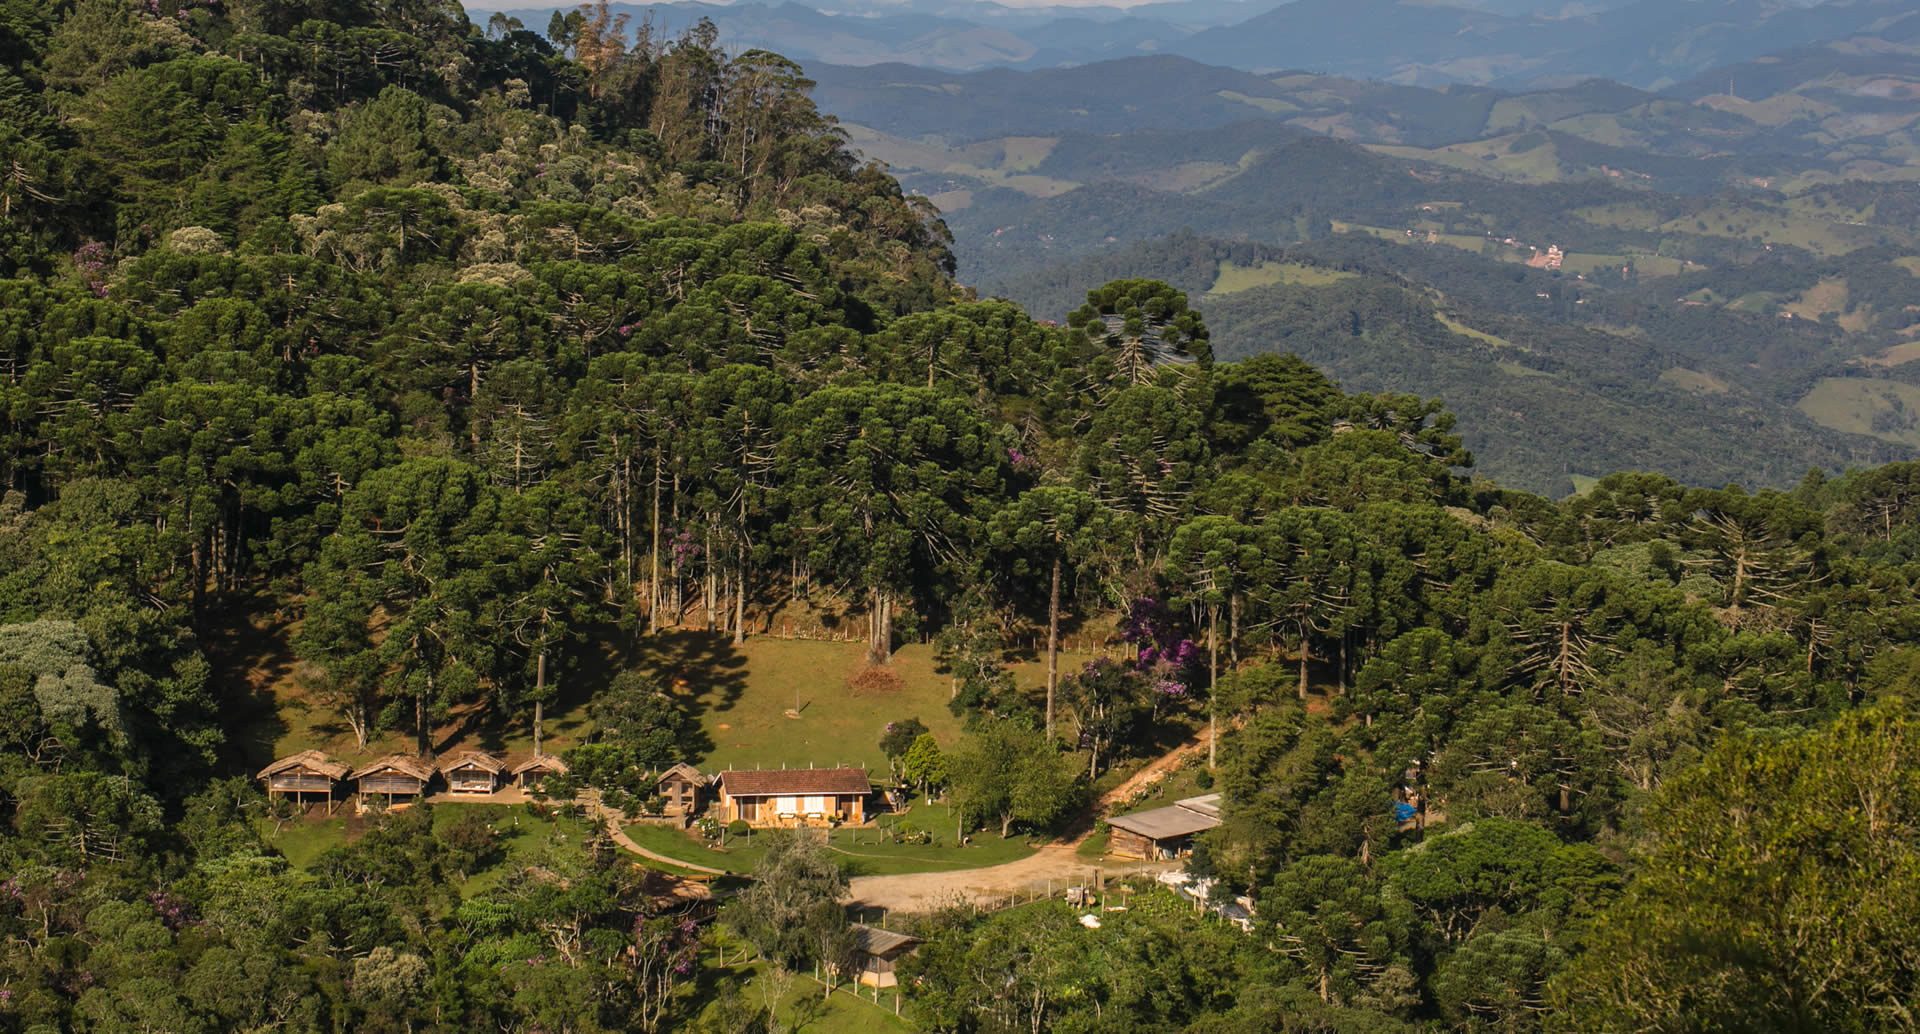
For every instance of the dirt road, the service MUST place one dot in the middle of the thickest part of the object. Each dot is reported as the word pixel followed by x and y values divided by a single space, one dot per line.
pixel 926 891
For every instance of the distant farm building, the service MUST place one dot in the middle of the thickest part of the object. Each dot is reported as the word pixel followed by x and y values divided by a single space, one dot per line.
pixel 304 774
pixel 875 951
pixel 399 778
pixel 794 796
pixel 1163 832
pixel 680 787
pixel 473 771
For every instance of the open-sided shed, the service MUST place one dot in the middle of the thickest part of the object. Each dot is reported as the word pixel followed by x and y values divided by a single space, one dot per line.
pixel 306 773
pixel 1163 832
pixel 473 771
pixel 875 951
pixel 394 777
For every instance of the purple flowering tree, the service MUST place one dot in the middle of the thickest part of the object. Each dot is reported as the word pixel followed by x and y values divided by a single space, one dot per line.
pixel 665 955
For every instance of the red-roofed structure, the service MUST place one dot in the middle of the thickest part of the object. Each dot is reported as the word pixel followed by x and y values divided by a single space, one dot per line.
pixel 794 796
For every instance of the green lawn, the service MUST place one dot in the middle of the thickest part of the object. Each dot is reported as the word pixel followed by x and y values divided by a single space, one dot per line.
pixel 803 1006
pixel 1095 845
pixel 865 851
pixel 740 696
pixel 523 838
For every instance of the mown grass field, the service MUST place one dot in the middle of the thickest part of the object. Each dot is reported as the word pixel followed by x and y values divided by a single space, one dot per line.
pixel 1888 410
pixel 1233 277
pixel 739 695
pixel 864 851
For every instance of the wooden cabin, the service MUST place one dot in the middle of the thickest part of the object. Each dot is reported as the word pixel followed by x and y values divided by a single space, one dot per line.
pixel 875 951
pixel 680 787
pixel 1163 833
pixel 794 796
pixel 473 771
pixel 537 768
pixel 399 778
pixel 305 774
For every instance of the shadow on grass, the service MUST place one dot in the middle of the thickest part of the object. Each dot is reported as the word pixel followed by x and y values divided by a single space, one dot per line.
pixel 245 678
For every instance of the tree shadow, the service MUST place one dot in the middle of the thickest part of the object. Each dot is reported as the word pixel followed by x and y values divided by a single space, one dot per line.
pixel 248 652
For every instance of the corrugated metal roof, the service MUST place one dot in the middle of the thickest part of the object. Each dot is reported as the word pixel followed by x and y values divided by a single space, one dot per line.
pixel 875 941
pixel 1164 823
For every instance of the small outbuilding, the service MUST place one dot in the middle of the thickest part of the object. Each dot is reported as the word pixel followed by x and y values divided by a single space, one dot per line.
pixel 537 768
pixel 794 796
pixel 400 778
pixel 680 787
pixel 306 773
pixel 473 771
pixel 1163 832
pixel 875 951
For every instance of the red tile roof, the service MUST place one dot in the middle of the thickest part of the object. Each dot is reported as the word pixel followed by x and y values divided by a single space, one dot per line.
pixel 767 782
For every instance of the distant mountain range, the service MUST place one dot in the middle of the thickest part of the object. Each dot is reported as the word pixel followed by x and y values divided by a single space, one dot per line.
pixel 1721 277
pixel 1646 43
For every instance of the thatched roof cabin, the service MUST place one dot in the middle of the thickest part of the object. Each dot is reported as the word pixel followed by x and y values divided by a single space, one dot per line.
pixel 472 771
pixel 306 772
pixel 395 775
pixel 531 771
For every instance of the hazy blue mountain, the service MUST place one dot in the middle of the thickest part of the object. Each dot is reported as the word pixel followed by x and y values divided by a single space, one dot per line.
pixel 1162 92
pixel 1515 43
pixel 1650 43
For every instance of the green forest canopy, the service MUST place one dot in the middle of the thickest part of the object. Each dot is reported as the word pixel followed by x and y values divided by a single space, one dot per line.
pixel 467 343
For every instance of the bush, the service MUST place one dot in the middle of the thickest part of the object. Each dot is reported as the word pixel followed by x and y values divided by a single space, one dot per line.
pixel 739 828
pixel 471 843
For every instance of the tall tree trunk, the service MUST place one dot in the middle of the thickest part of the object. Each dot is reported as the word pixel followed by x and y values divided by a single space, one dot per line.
pixel 707 601
pixel 653 580
pixel 420 720
pixel 1233 629
pixel 1306 654
pixel 1213 684
pixel 1053 640
pixel 880 628
pixel 740 586
pixel 539 697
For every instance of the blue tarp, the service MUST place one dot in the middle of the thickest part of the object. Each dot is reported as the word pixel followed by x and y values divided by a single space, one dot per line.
pixel 1402 811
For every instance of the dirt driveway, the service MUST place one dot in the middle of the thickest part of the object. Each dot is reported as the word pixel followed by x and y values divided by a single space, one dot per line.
pixel 926 891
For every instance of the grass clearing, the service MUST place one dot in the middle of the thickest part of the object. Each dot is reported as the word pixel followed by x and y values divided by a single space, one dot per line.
pixel 1898 355
pixel 863 850
pixel 740 696
pixel 1095 845
pixel 1233 277
pixel 1888 410
pixel 1478 335
pixel 523 837
pixel 1694 380
pixel 799 1000
pixel 1270 105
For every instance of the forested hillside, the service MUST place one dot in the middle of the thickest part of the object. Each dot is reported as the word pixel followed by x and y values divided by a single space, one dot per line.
pixel 1714 285
pixel 446 366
